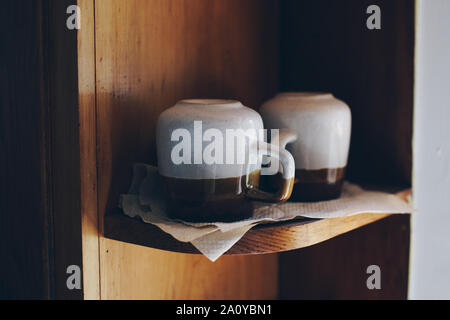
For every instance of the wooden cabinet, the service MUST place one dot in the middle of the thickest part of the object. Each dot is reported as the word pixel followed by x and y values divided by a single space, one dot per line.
pixel 79 107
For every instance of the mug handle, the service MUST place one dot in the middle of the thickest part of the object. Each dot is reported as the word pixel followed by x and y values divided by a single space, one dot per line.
pixel 284 137
pixel 277 151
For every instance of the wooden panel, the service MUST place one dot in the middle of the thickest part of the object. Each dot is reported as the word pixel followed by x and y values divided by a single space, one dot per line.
pixel 40 205
pixel 142 273
pixel 326 46
pixel 24 267
pixel 88 151
pixel 149 54
pixel 64 166
pixel 336 269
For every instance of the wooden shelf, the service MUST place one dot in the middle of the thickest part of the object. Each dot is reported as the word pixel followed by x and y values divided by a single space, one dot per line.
pixel 265 238
pixel 268 238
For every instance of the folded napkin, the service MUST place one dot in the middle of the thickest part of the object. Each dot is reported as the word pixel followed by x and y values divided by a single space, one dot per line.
pixel 145 199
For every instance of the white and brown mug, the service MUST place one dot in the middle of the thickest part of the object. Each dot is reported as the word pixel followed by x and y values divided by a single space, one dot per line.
pixel 323 127
pixel 210 161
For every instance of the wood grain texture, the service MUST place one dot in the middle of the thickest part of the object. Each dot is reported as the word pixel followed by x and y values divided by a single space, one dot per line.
pixel 336 269
pixel 263 239
pixel 88 151
pixel 64 146
pixel 149 54
pixel 40 211
pixel 326 46
pixel 25 272
pixel 143 273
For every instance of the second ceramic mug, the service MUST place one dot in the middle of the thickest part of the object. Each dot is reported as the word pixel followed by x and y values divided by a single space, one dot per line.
pixel 323 127
pixel 201 184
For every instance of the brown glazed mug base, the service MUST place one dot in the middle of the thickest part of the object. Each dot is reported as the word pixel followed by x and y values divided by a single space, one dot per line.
pixel 314 192
pixel 318 185
pixel 209 200
pixel 310 185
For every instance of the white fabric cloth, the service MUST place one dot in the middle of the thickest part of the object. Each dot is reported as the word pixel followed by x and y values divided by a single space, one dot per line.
pixel 145 200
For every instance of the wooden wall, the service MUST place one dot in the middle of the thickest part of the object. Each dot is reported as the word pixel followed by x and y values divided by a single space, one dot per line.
pixel 24 267
pixel 337 269
pixel 134 59
pixel 326 46
pixel 40 222
pixel 148 55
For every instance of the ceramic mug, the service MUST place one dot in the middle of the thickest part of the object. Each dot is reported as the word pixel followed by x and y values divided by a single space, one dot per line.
pixel 210 160
pixel 323 127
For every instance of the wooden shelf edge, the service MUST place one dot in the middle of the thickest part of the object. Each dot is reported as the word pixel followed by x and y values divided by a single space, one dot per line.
pixel 264 239
pixel 297 236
